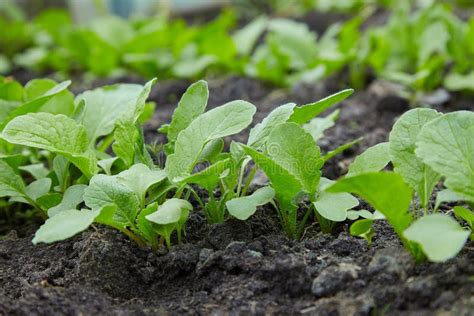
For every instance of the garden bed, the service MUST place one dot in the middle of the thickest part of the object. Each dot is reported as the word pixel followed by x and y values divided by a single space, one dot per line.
pixel 243 267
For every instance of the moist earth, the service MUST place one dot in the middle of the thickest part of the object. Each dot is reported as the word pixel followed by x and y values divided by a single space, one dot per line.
pixel 244 267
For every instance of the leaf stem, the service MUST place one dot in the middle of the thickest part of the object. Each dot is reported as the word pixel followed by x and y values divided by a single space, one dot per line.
pixel 134 237
pixel 106 142
pixel 249 180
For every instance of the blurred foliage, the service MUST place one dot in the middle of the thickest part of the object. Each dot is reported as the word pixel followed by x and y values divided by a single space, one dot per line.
pixel 422 48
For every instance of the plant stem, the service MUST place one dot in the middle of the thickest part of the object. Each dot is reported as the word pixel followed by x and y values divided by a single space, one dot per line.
pixel 241 177
pixel 106 142
pixel 135 238
pixel 303 222
pixel 43 214
pixel 249 180
pixel 197 197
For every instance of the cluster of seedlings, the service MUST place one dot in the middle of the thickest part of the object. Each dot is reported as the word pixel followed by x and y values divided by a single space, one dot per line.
pixel 82 160
pixel 421 49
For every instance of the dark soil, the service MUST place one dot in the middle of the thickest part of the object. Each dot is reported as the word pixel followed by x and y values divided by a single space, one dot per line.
pixel 243 267
pixel 231 268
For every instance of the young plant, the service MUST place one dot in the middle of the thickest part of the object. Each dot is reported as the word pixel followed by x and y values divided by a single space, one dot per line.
pixel 135 201
pixel 196 138
pixel 284 146
pixel 59 142
pixel 424 147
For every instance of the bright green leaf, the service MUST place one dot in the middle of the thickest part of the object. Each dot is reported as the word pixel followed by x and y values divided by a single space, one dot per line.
pixel 192 104
pixel 73 196
pixel 379 189
pixel 64 225
pixel 446 144
pixel 291 147
pixel 285 184
pixel 140 178
pixel 333 206
pixel 317 126
pixel 307 112
pixel 104 106
pixel 440 236
pixel 244 207
pixel 225 120
pixel 11 184
pixel 259 133
pixel 106 190
pixel 56 133
pixel 403 136
pixel 169 212
pixel 373 159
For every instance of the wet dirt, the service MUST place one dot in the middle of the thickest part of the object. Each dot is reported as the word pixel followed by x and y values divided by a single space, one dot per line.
pixel 247 268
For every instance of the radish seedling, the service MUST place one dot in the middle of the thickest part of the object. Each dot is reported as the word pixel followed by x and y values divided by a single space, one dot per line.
pixel 424 147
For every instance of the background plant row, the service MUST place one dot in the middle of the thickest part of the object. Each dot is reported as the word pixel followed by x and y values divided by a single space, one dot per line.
pixel 81 160
pixel 422 49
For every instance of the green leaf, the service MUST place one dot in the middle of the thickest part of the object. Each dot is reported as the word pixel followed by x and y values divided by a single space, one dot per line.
pixel 333 206
pixel 317 126
pixel 465 214
pixel 340 149
pixel 244 207
pixel 363 228
pixel 209 177
pixel 107 164
pixel 73 196
pixel 293 40
pixel 285 184
pixel 246 38
pixel 145 226
pixel 192 104
pixel 259 133
pixel 353 215
pixel 61 102
pixel 106 190
pixel 222 121
pixel 446 144
pixel 189 68
pixel 211 150
pixel 11 184
pixel 379 189
pixel 140 178
pixel 459 82
pixel 61 169
pixel 49 200
pixel 440 236
pixel 10 90
pixel 64 225
pixel 38 188
pixel 290 146
pixel 448 195
pixel 104 106
pixel 307 112
pixel 169 212
pixel 38 171
pixel 35 104
pixel 125 135
pixel 403 136
pixel 147 113
pixel 56 133
pixel 372 159
pixel 113 30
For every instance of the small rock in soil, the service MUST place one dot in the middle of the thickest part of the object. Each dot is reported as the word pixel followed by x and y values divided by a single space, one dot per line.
pixel 390 265
pixel 334 279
